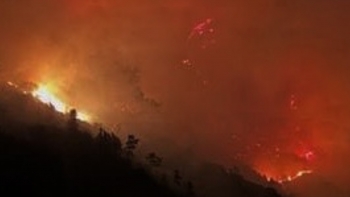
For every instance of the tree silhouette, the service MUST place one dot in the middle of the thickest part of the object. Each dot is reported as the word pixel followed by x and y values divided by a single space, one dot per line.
pixel 109 142
pixel 177 177
pixel 131 144
pixel 154 160
pixel 116 143
pixel 72 121
pixel 190 189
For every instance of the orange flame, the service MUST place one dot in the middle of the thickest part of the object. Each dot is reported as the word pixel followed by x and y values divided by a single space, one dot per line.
pixel 45 95
pixel 288 178
pixel 296 176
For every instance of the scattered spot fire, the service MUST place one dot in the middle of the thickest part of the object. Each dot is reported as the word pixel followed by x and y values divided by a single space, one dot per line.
pixel 290 157
pixel 202 28
pixel 203 34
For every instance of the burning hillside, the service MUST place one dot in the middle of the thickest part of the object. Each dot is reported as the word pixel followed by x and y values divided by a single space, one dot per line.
pixel 45 93
pixel 264 83
pixel 62 160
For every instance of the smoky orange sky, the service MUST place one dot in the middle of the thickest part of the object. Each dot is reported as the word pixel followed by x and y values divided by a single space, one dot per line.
pixel 264 82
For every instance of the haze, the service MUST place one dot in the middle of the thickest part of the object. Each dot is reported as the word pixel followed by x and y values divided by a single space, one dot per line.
pixel 260 82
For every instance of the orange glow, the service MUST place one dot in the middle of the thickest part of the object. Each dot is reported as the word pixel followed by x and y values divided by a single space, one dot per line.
pixel 45 94
pixel 287 178
pixel 296 176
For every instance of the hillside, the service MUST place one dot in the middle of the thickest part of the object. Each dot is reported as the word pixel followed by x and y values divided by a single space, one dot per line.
pixel 45 153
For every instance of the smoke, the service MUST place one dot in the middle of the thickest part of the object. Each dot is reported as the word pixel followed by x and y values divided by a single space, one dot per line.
pixel 220 92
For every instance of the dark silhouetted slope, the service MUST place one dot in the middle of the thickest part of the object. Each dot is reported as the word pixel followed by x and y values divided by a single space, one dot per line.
pixel 45 153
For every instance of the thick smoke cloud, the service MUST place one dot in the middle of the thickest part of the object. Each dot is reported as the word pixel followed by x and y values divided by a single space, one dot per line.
pixel 222 97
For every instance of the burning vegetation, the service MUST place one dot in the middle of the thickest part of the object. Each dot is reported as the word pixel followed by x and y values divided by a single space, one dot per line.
pixel 288 173
pixel 263 84
pixel 45 93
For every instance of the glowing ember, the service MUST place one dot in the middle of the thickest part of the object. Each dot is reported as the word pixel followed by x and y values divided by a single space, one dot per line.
pixel 306 153
pixel 11 84
pixel 293 102
pixel 203 34
pixel 45 95
pixel 202 28
pixel 308 156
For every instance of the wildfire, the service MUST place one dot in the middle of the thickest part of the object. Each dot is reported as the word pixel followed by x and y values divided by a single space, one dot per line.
pixel 45 95
pixel 289 178
pixel 296 176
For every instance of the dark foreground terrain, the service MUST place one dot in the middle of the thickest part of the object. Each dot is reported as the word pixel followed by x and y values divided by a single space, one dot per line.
pixel 44 153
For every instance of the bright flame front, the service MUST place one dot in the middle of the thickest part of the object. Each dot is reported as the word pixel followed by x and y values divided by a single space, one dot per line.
pixel 297 175
pixel 285 179
pixel 45 95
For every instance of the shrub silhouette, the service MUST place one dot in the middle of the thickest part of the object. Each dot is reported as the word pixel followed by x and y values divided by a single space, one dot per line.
pixel 177 177
pixel 72 121
pixel 131 144
pixel 154 160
